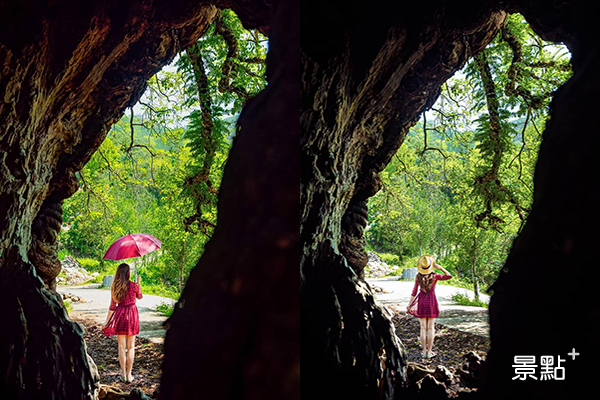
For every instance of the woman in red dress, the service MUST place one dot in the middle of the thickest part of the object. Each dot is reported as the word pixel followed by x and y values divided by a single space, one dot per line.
pixel 123 319
pixel 424 305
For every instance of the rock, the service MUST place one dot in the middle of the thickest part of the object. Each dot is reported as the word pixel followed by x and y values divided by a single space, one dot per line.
pixel 110 393
pixel 376 267
pixel 73 298
pixel 442 374
pixel 415 373
pixel 107 392
pixel 471 370
pixel 137 394
pixel 432 389
pixel 75 274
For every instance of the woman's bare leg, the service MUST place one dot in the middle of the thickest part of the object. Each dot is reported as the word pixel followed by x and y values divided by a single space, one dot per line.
pixel 122 340
pixel 430 334
pixel 424 334
pixel 130 356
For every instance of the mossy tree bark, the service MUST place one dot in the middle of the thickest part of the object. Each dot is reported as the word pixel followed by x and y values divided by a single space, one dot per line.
pixel 235 331
pixel 540 305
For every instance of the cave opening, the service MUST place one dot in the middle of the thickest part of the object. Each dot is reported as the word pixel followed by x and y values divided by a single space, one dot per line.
pixel 363 88
pixel 158 172
pixel 68 74
pixel 436 197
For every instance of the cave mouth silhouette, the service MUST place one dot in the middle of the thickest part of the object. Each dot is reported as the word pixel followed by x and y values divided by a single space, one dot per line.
pixel 68 71
pixel 368 73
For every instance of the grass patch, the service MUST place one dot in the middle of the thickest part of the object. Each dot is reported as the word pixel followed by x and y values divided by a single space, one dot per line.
pixel 90 264
pixel 456 283
pixel 160 290
pixel 165 309
pixel 62 253
pixel 396 272
pixel 97 279
pixel 389 258
pixel 466 301
pixel 68 306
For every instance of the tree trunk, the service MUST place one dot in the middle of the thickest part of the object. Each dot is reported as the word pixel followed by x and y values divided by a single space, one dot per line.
pixel 368 71
pixel 474 269
pixel 367 75
pixel 182 264
pixel 68 71
pixel 234 333
pixel 551 258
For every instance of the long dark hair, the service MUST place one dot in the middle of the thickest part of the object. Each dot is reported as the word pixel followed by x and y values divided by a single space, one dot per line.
pixel 426 281
pixel 120 283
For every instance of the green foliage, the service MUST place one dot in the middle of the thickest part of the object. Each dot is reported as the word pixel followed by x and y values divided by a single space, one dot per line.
pixel 165 309
pixel 90 264
pixel 214 78
pixel 461 185
pixel 389 258
pixel 410 262
pixel 159 173
pixel 62 253
pixel 466 301
pixel 160 290
pixel 97 279
pixel 68 306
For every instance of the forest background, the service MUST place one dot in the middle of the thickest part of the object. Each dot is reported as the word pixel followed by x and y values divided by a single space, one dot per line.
pixel 160 167
pixel 460 187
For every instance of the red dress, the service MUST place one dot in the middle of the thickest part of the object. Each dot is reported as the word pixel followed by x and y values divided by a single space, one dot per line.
pixel 126 320
pixel 425 305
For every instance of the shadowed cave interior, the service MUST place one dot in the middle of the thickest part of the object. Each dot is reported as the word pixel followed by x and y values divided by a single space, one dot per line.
pixel 68 71
pixel 368 72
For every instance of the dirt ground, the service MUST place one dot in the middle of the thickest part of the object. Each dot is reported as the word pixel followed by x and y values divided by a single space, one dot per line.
pixel 104 351
pixel 450 345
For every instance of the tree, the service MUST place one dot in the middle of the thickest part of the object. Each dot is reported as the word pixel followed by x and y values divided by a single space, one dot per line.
pixel 215 78
pixel 470 169
pixel 160 173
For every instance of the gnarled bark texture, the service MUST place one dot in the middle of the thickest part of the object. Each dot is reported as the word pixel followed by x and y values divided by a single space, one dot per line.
pixel 68 70
pixel 363 88
pixel 540 304
pixel 368 72
pixel 234 333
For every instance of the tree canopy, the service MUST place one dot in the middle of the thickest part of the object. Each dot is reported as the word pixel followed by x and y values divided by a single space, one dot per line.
pixel 461 186
pixel 159 171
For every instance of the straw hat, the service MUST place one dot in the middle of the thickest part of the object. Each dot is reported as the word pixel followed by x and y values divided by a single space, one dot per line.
pixel 425 264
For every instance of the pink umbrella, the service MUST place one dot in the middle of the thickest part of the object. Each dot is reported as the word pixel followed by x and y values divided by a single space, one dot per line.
pixel 133 245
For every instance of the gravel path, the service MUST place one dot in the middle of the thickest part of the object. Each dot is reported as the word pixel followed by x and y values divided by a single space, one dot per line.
pixel 97 302
pixel 395 295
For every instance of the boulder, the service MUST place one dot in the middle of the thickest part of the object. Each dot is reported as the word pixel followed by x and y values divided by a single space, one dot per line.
pixel 75 274
pixel 415 373
pixel 376 267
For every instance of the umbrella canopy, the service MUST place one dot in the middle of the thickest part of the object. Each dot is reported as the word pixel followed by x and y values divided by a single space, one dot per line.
pixel 133 245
